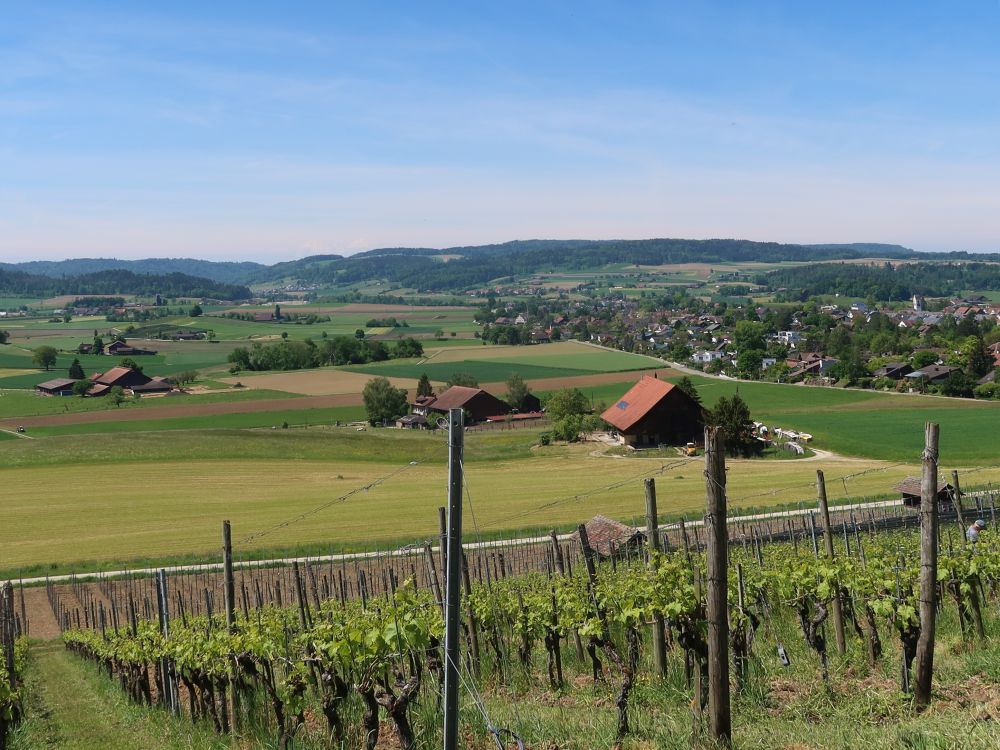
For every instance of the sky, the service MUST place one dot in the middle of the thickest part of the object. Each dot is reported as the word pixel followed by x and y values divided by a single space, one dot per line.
pixel 270 131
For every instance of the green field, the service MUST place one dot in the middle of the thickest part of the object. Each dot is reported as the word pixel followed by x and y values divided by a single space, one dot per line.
pixel 484 371
pixel 22 403
pixel 246 420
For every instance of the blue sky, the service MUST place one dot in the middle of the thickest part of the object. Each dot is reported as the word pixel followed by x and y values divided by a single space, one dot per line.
pixel 269 131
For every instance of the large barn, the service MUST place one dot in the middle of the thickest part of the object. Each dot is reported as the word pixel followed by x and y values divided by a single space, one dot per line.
pixel 656 412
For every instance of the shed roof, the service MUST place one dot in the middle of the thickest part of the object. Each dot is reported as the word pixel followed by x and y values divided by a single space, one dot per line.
pixel 55 384
pixel 637 402
pixel 455 397
pixel 112 375
pixel 911 486
pixel 607 535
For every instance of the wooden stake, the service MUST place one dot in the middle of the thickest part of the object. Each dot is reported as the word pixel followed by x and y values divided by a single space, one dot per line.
pixel 653 539
pixel 717 553
pixel 928 567
pixel 838 609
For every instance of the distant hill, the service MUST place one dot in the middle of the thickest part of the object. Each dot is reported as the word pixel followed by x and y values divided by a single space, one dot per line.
pixel 116 282
pixel 469 266
pixel 872 249
pixel 480 265
pixel 226 272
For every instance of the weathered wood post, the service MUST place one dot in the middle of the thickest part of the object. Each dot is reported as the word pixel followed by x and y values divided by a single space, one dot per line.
pixel 229 601
pixel 453 579
pixel 956 496
pixel 717 553
pixel 653 539
pixel 838 608
pixel 928 567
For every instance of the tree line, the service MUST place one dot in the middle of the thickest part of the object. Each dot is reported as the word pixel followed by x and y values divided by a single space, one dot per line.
pixel 335 350
pixel 117 281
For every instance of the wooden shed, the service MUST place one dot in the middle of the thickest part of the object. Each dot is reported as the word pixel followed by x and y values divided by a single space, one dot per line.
pixel 909 488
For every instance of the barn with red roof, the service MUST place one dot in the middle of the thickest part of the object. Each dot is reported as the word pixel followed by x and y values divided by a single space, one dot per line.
pixel 656 412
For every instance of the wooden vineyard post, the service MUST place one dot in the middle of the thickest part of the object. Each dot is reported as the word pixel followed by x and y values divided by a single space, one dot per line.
pixel 717 553
pixel 561 569
pixel 229 592
pixel 838 608
pixel 653 539
pixel 471 614
pixel 453 579
pixel 928 567
pixel 956 496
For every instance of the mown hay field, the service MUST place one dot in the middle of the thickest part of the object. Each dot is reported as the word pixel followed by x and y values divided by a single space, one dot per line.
pixel 163 508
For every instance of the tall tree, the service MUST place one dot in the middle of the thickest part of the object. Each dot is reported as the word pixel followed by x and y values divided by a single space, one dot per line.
pixel 733 415
pixel 424 387
pixel 44 356
pixel 687 386
pixel 517 391
pixel 978 357
pixel 383 401
pixel 76 370
pixel 196 311
pixel 566 402
pixel 4 337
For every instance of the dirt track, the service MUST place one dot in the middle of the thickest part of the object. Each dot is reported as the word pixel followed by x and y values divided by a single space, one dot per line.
pixel 189 409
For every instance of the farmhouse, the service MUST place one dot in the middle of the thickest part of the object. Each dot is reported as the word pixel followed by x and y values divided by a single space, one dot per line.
pixel 125 377
pixel 654 412
pixel 56 387
pixel 477 403
pixel 120 348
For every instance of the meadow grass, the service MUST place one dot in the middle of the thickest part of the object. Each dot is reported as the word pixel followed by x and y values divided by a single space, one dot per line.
pixel 170 498
pixel 23 403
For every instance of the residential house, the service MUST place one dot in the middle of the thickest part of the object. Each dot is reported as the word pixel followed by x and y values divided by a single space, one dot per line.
pixel 893 370
pixel 931 373
pixel 127 378
pixel 703 356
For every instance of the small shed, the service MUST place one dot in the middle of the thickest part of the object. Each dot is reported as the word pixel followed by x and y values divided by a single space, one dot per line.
pixel 909 488
pixel 412 422
pixel 56 387
pixel 610 538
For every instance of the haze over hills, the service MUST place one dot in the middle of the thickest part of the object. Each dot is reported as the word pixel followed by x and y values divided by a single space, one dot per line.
pixel 452 268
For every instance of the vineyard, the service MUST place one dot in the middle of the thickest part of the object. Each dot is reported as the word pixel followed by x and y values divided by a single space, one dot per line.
pixel 351 654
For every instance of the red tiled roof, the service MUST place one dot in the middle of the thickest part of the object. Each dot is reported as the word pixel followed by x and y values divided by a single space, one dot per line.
pixel 635 404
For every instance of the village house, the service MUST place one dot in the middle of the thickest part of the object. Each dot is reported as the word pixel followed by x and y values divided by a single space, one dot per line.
pixel 703 356
pixel 931 373
pixel 893 370
pixel 655 412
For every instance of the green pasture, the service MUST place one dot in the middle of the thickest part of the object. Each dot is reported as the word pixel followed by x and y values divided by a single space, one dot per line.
pixel 25 403
pixel 485 371
pixel 182 483
pixel 245 420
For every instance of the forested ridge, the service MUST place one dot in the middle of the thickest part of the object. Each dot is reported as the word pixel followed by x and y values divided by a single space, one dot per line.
pixel 888 281
pixel 117 281
pixel 482 264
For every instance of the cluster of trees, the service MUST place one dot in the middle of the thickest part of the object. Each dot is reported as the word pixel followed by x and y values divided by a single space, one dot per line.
pixel 386 323
pixel 886 282
pixel 114 282
pixel 334 350
pixel 503 334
